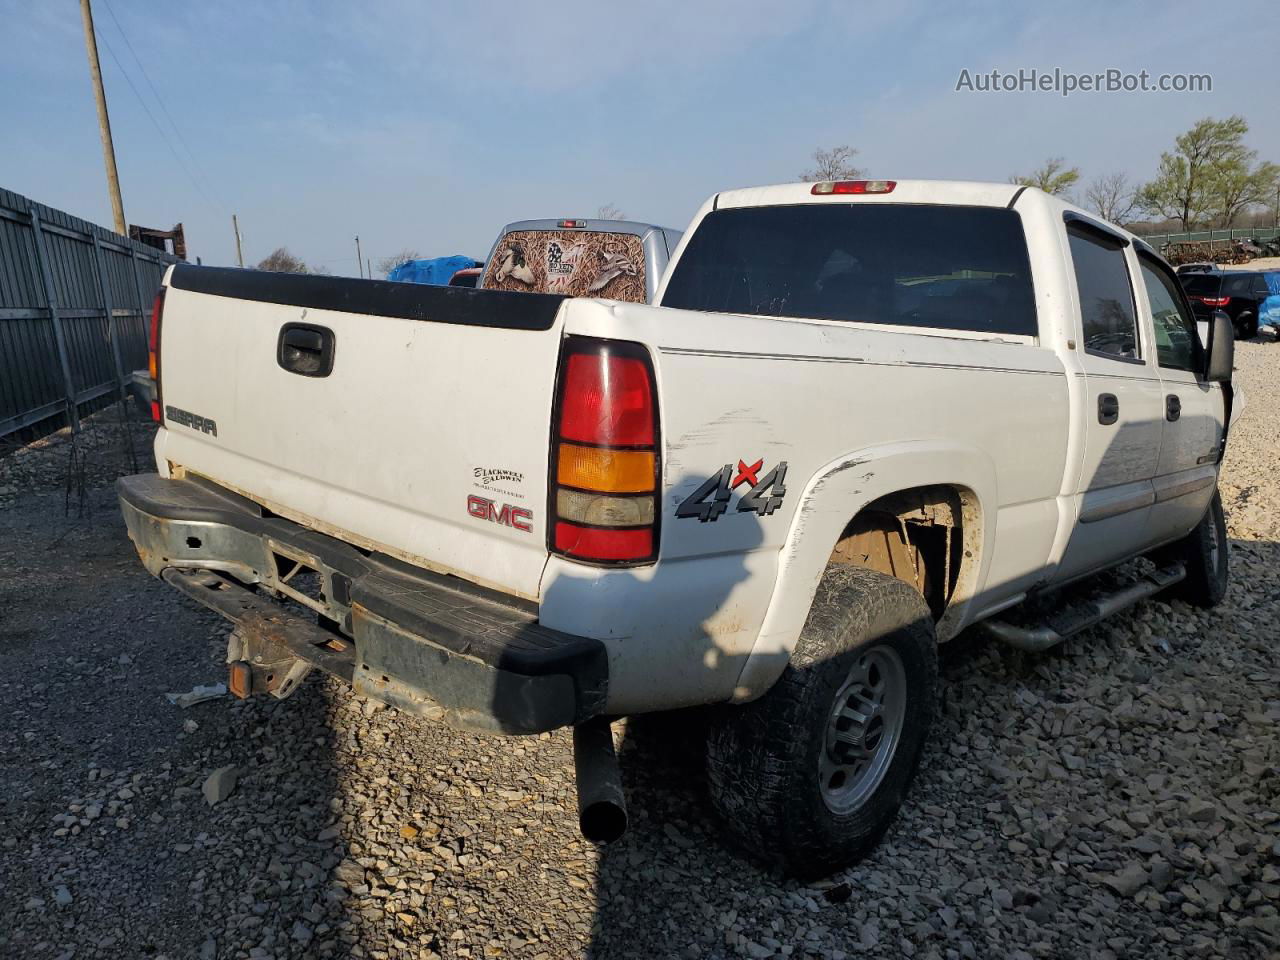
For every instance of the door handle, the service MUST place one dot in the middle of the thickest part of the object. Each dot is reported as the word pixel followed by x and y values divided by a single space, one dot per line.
pixel 305 349
pixel 1172 407
pixel 1108 408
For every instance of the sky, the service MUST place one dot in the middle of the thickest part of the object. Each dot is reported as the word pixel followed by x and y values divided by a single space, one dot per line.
pixel 428 125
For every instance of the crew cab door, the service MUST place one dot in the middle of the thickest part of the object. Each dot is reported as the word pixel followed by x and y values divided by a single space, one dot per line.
pixel 1124 405
pixel 1187 471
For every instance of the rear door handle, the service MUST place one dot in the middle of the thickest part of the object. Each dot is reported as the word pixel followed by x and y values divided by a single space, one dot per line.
pixel 305 349
pixel 1172 407
pixel 1108 408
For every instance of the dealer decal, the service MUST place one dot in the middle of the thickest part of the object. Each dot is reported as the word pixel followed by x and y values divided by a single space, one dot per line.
pixel 764 495
pixel 518 518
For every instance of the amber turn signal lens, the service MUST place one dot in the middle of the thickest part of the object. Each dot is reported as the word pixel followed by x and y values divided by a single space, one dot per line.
pixel 605 471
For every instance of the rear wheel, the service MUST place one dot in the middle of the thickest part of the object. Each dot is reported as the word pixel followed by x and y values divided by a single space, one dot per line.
pixel 811 775
pixel 1204 553
pixel 1246 327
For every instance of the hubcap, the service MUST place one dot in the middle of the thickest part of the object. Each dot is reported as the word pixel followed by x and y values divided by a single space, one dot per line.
pixel 863 729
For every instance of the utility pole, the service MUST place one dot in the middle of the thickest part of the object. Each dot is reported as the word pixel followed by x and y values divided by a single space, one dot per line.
pixel 104 122
pixel 359 258
pixel 368 268
pixel 235 225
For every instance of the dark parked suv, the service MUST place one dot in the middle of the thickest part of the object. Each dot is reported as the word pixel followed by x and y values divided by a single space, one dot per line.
pixel 1239 293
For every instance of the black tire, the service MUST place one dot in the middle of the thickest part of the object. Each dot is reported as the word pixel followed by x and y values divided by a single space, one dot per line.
pixel 1246 327
pixel 764 759
pixel 1204 553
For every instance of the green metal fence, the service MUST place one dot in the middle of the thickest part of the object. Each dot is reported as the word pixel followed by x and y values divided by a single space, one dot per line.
pixel 74 305
pixel 1157 240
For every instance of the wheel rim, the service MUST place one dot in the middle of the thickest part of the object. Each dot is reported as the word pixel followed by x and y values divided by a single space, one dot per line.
pixel 863 729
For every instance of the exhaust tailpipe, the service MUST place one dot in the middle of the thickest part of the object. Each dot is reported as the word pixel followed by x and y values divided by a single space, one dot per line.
pixel 602 809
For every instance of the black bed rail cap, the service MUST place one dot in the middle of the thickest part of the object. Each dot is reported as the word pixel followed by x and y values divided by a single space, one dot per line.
pixel 409 301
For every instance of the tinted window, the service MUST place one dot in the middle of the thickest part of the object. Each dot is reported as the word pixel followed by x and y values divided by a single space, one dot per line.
pixel 1201 284
pixel 576 263
pixel 1237 286
pixel 1177 341
pixel 961 268
pixel 1106 298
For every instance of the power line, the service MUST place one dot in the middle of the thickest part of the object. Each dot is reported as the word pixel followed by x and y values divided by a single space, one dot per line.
pixel 159 129
pixel 159 99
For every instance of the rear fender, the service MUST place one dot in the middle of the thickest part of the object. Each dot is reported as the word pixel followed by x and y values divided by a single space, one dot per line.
pixel 834 495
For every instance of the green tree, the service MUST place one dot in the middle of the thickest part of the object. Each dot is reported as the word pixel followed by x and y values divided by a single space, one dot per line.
pixel 1240 185
pixel 1210 175
pixel 1054 177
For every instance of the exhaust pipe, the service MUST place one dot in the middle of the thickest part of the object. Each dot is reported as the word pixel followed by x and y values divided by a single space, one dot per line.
pixel 602 809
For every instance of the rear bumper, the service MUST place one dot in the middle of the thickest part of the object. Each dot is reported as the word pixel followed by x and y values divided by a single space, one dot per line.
pixel 424 642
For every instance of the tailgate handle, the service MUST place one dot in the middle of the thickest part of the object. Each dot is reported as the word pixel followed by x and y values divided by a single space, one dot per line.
pixel 305 349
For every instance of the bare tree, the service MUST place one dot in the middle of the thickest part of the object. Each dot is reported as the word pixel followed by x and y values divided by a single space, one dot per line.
pixel 1054 177
pixel 609 212
pixel 386 264
pixel 280 260
pixel 833 164
pixel 1112 196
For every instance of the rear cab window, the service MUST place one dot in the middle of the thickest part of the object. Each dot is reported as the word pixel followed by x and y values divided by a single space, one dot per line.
pixel 1106 296
pixel 576 263
pixel 914 265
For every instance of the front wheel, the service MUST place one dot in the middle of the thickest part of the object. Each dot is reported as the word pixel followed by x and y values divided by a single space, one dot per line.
pixel 1204 553
pixel 811 775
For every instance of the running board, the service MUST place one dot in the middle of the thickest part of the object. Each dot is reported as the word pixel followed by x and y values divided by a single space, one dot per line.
pixel 1083 614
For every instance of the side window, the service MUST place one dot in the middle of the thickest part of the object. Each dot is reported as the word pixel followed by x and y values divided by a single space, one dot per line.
pixel 1177 342
pixel 1106 296
pixel 1260 287
pixel 1235 286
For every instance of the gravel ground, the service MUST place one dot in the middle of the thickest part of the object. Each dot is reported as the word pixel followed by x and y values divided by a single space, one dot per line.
pixel 1118 797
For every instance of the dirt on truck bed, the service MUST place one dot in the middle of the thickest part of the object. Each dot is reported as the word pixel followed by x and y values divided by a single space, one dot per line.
pixel 1118 797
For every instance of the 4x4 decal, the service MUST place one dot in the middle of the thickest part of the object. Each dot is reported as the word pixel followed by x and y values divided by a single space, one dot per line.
pixel 710 501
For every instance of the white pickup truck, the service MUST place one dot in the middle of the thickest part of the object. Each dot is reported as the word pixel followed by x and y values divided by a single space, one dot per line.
pixel 861 417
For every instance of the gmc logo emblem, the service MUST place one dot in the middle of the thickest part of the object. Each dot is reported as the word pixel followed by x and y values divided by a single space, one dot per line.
pixel 483 508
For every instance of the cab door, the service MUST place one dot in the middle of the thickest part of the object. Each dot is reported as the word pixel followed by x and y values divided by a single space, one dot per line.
pixel 1187 470
pixel 1124 405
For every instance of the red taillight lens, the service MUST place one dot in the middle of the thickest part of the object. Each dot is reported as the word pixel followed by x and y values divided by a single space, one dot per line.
pixel 1215 301
pixel 603 544
pixel 607 400
pixel 605 469
pixel 153 354
pixel 826 187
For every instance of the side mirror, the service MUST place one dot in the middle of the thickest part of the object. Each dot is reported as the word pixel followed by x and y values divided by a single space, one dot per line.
pixel 1222 349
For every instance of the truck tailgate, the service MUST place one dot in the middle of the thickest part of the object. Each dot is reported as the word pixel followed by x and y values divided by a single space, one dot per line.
pixel 427 439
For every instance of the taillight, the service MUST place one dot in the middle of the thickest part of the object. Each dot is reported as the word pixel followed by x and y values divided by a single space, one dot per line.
pixel 153 355
pixel 572 224
pixel 1215 301
pixel 604 458
pixel 852 186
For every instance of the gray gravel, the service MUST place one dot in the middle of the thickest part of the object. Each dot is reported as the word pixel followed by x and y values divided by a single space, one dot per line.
pixel 1118 797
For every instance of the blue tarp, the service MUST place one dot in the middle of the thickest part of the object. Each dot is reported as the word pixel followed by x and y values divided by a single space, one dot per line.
pixel 1269 312
pixel 436 270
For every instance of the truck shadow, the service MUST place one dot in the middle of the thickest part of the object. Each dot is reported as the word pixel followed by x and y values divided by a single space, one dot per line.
pixel 672 836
